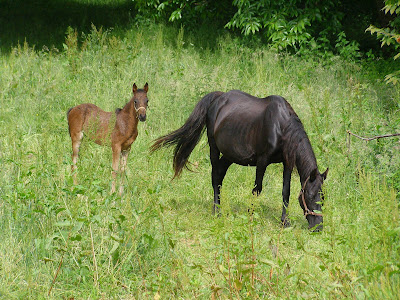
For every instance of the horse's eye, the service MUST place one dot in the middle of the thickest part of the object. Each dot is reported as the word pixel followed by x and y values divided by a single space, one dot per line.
pixel 135 101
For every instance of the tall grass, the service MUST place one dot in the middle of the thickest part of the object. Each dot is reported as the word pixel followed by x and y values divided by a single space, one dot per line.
pixel 159 240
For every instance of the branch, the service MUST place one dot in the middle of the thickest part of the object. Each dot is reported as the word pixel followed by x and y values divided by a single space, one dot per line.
pixel 59 265
pixel 374 137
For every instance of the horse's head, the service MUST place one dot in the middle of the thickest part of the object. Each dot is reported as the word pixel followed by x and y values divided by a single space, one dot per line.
pixel 140 101
pixel 311 199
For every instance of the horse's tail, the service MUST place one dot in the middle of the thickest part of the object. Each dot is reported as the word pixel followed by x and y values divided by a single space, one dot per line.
pixel 187 137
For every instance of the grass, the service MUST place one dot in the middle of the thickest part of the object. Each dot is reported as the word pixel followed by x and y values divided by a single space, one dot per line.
pixel 159 240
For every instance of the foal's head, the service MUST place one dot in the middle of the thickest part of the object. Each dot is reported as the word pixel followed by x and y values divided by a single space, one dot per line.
pixel 311 199
pixel 140 101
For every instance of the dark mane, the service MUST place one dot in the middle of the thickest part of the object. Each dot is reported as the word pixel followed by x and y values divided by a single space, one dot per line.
pixel 297 147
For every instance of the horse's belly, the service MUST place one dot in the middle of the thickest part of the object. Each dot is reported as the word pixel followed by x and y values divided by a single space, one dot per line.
pixel 236 150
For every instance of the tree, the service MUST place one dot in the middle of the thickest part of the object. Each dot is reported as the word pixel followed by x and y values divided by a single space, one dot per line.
pixel 298 26
pixel 390 35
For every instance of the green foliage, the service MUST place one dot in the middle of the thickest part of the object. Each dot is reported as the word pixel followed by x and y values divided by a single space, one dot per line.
pixel 159 240
pixel 287 25
pixel 390 35
pixel 188 12
pixel 305 27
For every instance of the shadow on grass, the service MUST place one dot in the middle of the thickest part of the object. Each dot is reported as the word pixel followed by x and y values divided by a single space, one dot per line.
pixel 43 22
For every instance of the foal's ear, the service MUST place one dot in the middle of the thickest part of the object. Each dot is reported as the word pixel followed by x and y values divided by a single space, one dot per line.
pixel 313 174
pixel 325 174
pixel 134 88
pixel 146 87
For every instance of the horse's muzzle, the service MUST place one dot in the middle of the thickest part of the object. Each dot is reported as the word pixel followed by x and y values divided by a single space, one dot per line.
pixel 141 113
pixel 142 118
pixel 315 223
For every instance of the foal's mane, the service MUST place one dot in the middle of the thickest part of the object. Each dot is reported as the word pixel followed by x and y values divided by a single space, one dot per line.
pixel 297 148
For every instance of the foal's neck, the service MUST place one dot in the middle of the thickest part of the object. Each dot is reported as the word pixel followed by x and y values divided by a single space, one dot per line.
pixel 130 108
pixel 305 160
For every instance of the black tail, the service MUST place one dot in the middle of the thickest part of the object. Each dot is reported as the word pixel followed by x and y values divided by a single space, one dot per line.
pixel 187 137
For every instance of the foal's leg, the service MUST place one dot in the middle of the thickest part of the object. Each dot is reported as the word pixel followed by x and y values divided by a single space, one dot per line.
pixel 124 159
pixel 115 165
pixel 76 139
pixel 287 174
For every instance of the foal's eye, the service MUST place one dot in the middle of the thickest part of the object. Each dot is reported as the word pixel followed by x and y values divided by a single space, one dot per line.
pixel 135 101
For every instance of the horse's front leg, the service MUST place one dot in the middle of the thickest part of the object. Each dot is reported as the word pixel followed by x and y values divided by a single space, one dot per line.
pixel 287 174
pixel 262 164
pixel 124 159
pixel 115 165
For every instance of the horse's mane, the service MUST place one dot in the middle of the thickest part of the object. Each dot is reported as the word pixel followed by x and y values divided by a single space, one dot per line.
pixel 297 147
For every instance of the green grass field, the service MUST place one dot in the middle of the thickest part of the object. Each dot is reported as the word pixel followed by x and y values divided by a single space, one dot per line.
pixel 159 240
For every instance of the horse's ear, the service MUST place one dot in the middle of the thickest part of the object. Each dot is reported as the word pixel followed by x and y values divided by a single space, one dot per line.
pixel 325 174
pixel 134 88
pixel 146 87
pixel 313 174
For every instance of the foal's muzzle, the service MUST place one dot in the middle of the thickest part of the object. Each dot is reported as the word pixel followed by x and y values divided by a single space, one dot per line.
pixel 141 113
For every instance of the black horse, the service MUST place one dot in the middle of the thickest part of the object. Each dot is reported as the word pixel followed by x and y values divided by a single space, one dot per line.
pixel 251 131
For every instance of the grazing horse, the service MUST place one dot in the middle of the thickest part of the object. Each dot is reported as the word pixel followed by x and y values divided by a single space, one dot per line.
pixel 118 129
pixel 251 131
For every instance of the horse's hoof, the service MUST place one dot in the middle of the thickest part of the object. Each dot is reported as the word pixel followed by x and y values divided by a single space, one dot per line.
pixel 286 224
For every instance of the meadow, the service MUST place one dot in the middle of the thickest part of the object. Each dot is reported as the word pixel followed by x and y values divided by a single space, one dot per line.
pixel 159 239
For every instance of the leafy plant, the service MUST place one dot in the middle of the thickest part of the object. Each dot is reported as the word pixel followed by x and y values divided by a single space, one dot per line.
pixel 291 26
pixel 390 35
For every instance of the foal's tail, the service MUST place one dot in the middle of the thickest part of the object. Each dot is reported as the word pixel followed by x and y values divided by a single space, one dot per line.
pixel 187 137
pixel 69 127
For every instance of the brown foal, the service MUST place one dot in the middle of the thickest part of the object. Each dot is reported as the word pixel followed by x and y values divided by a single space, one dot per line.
pixel 119 128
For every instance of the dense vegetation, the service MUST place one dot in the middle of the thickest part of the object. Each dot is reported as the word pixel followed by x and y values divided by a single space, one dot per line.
pixel 298 26
pixel 159 240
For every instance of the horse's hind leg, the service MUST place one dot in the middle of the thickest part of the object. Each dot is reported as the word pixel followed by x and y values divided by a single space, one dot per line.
pixel 219 168
pixel 75 126
pixel 76 139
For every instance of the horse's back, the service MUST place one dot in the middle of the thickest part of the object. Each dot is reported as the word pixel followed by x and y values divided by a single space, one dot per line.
pixel 91 119
pixel 245 126
pixel 246 110
pixel 87 112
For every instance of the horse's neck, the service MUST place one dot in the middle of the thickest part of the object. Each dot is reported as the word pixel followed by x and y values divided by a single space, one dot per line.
pixel 129 108
pixel 305 160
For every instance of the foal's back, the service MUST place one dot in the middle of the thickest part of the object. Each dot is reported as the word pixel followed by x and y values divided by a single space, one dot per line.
pixel 91 119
